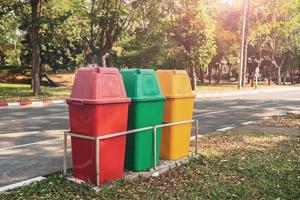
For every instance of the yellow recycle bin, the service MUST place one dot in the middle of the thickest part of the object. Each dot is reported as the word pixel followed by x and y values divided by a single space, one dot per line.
pixel 175 85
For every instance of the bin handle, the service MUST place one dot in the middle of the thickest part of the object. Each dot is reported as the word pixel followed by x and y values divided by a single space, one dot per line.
pixel 77 103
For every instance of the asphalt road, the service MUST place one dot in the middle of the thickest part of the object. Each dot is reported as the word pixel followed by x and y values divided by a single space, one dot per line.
pixel 31 137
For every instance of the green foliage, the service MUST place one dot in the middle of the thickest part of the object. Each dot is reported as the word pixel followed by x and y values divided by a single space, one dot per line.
pixel 193 31
pixel 103 22
pixel 60 41
pixel 64 48
pixel 9 38
pixel 170 34
pixel 146 44
pixel 152 33
pixel 276 33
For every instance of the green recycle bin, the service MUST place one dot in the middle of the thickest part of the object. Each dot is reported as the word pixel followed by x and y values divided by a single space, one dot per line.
pixel 145 110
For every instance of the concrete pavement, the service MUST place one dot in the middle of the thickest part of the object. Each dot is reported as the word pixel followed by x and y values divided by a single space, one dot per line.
pixel 31 137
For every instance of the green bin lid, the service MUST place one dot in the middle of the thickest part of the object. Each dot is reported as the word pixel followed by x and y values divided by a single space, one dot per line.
pixel 142 84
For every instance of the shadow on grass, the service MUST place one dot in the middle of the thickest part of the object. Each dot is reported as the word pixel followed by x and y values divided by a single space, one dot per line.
pixel 247 167
pixel 22 92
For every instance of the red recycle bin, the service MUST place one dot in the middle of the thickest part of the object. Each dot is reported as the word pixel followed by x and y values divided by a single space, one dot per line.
pixel 98 106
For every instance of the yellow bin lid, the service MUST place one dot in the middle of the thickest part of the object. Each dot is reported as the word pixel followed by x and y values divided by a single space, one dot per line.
pixel 175 83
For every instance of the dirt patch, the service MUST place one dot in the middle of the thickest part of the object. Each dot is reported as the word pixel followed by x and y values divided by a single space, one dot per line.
pixel 254 128
pixel 14 79
pixel 63 79
pixel 280 124
pixel 291 120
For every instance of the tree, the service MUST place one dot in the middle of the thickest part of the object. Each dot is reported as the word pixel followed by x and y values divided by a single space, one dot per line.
pixel 17 8
pixel 150 43
pixel 193 31
pixel 103 23
pixel 10 36
pixel 170 34
pixel 61 44
pixel 226 36
pixel 273 31
pixel 145 44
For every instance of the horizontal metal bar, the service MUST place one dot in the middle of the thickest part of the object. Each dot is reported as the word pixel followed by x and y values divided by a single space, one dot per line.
pixel 97 139
pixel 124 133
pixel 81 136
pixel 103 137
pixel 175 123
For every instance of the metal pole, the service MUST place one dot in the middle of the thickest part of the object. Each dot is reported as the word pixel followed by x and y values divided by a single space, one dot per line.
pixel 97 162
pixel 65 153
pixel 242 45
pixel 81 136
pixel 197 129
pixel 154 148
pixel 98 139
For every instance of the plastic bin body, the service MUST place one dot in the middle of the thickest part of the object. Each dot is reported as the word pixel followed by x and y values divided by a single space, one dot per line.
pixel 146 109
pixel 175 85
pixel 98 106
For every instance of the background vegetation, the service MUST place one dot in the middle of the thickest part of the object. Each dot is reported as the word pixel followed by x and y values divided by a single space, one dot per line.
pixel 202 36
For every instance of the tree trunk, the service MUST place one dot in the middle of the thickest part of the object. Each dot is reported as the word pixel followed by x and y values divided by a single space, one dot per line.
pixel 269 77
pixel 194 77
pixel 249 76
pixel 201 75
pixel 219 73
pixel 35 13
pixel 292 77
pixel 103 61
pixel 210 74
pixel 284 78
pixel 278 75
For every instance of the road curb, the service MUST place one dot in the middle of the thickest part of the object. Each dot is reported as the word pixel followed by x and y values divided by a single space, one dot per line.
pixel 20 184
pixel 29 103
pixel 198 96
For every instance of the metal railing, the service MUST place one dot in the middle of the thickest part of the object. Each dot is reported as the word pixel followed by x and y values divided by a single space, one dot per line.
pixel 99 138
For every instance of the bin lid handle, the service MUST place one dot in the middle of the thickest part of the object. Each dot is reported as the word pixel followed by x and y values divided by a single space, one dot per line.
pixel 77 102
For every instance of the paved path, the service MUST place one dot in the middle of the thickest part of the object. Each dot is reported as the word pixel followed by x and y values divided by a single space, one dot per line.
pixel 31 137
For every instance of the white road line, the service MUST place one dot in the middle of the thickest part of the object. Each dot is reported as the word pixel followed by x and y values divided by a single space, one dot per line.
pixel 29 144
pixel 265 118
pixel 194 137
pixel 295 99
pixel 249 122
pixel 22 183
pixel 37 103
pixel 13 104
pixel 225 129
pixel 233 109
pixel 58 101
pixel 233 93
pixel 29 133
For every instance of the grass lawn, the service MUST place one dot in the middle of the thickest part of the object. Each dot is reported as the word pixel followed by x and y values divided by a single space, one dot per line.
pixel 226 87
pixel 22 92
pixel 232 166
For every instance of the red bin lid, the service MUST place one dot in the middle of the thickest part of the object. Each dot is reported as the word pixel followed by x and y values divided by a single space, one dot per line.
pixel 98 85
